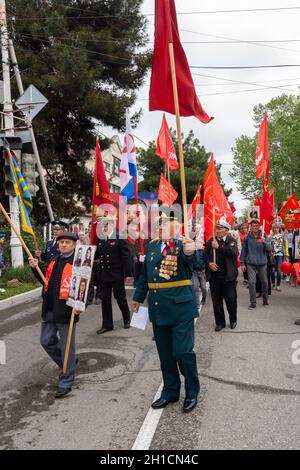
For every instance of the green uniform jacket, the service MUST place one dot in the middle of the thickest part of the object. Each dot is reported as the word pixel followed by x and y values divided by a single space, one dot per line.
pixel 168 306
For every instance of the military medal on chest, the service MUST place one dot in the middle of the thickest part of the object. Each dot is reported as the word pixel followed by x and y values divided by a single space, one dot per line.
pixel 169 266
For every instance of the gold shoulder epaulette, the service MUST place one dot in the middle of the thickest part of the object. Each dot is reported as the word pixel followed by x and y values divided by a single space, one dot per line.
pixel 154 240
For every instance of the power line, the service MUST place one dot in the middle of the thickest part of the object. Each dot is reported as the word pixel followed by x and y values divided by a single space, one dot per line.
pixel 244 66
pixel 233 92
pixel 241 82
pixel 237 41
pixel 122 15
pixel 192 66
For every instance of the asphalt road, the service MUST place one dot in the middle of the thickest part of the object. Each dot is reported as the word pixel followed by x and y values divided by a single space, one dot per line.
pixel 250 387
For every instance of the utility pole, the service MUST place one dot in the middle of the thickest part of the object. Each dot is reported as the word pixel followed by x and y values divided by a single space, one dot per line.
pixel 32 136
pixel 16 247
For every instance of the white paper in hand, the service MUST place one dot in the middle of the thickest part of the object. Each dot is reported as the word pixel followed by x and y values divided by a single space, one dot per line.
pixel 139 320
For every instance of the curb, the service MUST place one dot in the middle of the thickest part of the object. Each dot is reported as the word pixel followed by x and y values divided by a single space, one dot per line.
pixel 20 298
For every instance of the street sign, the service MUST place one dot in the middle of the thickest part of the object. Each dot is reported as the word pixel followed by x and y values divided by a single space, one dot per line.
pixel 31 102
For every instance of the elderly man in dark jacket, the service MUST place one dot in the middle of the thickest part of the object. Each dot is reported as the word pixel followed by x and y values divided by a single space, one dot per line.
pixel 56 314
pixel 254 254
pixel 222 274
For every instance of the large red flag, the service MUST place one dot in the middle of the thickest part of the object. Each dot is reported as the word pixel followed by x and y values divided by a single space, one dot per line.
pixel 166 193
pixel 161 88
pixel 262 151
pixel 214 197
pixel 266 210
pixel 290 213
pixel 164 146
pixel 257 201
pixel 193 210
pixel 101 194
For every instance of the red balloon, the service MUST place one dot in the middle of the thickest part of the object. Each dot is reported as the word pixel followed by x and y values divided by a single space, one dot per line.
pixel 287 267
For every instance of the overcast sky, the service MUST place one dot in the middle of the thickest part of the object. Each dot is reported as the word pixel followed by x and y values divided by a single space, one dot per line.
pixel 233 111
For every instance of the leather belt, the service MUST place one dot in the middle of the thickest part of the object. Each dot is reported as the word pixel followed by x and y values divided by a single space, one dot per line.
pixel 168 285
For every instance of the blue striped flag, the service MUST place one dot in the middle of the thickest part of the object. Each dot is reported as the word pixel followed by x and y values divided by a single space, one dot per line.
pixel 23 197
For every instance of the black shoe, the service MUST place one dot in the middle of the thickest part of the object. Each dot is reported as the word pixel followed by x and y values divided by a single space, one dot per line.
pixel 103 330
pixel 161 403
pixel 233 325
pixel 297 322
pixel 265 304
pixel 153 338
pixel 203 301
pixel 97 301
pixel 219 327
pixel 89 302
pixel 189 404
pixel 251 306
pixel 127 325
pixel 62 392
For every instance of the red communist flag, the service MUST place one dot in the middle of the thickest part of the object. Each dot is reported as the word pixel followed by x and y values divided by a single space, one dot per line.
pixel 164 146
pixel 101 193
pixel 262 151
pixel 266 211
pixel 193 210
pixel 166 193
pixel 214 197
pixel 161 88
pixel 257 201
pixel 290 213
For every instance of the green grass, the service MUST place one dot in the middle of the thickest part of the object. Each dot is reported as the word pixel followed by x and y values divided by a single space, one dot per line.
pixel 11 291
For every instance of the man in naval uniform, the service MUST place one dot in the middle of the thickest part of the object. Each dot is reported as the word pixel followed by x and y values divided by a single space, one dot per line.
pixel 167 279
pixel 51 249
pixel 114 267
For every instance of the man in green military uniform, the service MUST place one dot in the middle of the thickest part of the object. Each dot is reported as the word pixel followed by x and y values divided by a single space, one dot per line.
pixel 166 277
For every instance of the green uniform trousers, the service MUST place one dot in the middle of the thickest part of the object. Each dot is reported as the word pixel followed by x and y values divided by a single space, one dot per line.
pixel 175 348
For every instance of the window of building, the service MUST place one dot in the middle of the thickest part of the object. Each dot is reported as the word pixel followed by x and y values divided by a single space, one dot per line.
pixel 114 188
pixel 107 166
pixel 116 166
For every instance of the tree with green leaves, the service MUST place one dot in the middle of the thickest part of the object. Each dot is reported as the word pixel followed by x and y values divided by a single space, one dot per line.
pixel 196 160
pixel 284 149
pixel 86 57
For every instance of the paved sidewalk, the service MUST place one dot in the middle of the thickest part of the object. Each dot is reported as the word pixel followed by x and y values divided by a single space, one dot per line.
pixel 250 396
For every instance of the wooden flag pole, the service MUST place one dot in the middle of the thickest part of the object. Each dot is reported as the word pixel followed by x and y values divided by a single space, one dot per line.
pixel 263 228
pixel 21 240
pixel 180 147
pixel 70 332
pixel 214 236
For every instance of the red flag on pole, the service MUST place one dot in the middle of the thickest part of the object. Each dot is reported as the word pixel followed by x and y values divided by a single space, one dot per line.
pixel 262 151
pixel 161 89
pixel 290 213
pixel 166 193
pixel 101 194
pixel 233 209
pixel 193 210
pixel 266 211
pixel 257 201
pixel 164 146
pixel 214 197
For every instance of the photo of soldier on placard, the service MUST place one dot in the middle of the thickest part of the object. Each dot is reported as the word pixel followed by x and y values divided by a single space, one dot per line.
pixel 82 290
pixel 72 292
pixel 88 258
pixel 78 259
pixel 253 213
